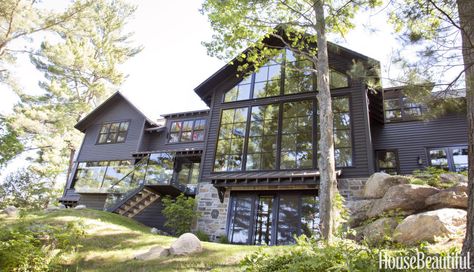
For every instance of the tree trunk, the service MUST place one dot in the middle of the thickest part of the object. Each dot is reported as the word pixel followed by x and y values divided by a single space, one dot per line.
pixel 466 15
pixel 326 144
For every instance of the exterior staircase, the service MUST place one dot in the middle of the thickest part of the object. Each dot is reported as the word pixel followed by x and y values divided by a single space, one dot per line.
pixel 137 203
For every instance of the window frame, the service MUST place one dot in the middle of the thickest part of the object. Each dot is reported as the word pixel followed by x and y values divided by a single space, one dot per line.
pixel 404 116
pixel 449 155
pixel 107 165
pixel 397 160
pixel 181 130
pixel 315 132
pixel 128 121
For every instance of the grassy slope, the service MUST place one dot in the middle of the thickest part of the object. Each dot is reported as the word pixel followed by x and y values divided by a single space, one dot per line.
pixel 111 242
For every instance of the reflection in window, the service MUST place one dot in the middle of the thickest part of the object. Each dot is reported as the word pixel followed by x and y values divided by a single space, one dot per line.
pixel 297 137
pixel 449 158
pixel 261 149
pixel 310 216
pixel 160 168
pixel 387 161
pixel 230 144
pixel 189 173
pixel 267 81
pixel 239 92
pixel 99 176
pixel 240 223
pixel 401 108
pixel 186 131
pixel 111 133
pixel 288 219
pixel 263 226
pixel 439 158
pixel 338 79
pixel 298 75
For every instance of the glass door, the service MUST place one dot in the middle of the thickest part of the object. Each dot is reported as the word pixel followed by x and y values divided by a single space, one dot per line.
pixel 264 219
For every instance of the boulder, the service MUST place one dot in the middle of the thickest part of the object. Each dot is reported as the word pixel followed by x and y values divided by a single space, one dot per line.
pixel 62 206
pixel 80 207
pixel 357 210
pixel 153 253
pixel 405 199
pixel 154 231
pixel 428 226
pixel 377 231
pixel 11 211
pixel 186 244
pixel 452 178
pixel 454 197
pixel 51 208
pixel 378 184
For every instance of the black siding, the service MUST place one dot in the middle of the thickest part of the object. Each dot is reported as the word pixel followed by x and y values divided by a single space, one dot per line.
pixel 412 138
pixel 151 216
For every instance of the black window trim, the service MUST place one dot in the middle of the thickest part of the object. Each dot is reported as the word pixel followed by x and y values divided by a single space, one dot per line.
pixel 108 131
pixel 278 155
pixel 168 137
pixel 394 150
pixel 449 155
pixel 402 108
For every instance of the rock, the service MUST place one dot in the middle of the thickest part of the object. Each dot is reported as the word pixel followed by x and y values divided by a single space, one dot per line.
pixel 377 231
pixel 11 211
pixel 378 184
pixel 186 244
pixel 454 197
pixel 154 231
pixel 80 207
pixel 62 206
pixel 358 211
pixel 452 178
pixel 428 226
pixel 405 198
pixel 153 253
pixel 51 208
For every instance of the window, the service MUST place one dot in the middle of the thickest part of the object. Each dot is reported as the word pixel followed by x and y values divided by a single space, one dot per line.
pixel 189 173
pixel 160 168
pixel 187 131
pixel 297 135
pixel 272 218
pixel 267 81
pixel 401 108
pixel 387 161
pixel 230 143
pixel 261 146
pixel 99 176
pixel 113 132
pixel 449 158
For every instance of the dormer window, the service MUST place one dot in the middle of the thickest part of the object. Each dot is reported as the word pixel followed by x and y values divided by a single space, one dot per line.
pixel 273 79
pixel 113 132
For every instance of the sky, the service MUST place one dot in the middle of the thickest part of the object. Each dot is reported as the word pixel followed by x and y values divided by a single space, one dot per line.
pixel 162 77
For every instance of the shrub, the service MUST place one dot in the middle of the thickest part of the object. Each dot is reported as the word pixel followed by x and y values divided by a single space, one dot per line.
pixel 430 176
pixel 202 236
pixel 223 240
pixel 36 247
pixel 180 213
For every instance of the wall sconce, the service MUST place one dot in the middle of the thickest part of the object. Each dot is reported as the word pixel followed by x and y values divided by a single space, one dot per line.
pixel 419 160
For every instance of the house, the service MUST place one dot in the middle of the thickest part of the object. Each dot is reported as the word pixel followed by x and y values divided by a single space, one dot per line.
pixel 250 160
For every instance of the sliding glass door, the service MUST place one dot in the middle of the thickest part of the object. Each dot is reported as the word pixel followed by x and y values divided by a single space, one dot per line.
pixel 272 218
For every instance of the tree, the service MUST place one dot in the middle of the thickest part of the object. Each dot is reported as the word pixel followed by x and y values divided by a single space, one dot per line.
pixel 298 25
pixel 438 24
pixel 81 70
pixel 10 146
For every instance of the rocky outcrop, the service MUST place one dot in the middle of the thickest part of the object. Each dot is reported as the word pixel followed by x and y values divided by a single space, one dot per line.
pixel 11 211
pixel 377 231
pixel 405 199
pixel 80 207
pixel 186 244
pixel 357 210
pixel 427 226
pixel 454 197
pixel 378 184
pixel 452 178
pixel 153 253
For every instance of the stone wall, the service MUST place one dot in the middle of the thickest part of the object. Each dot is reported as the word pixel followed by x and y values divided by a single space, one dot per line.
pixel 351 188
pixel 213 213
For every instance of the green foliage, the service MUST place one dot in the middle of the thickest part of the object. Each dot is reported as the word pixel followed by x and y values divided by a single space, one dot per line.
pixel 81 68
pixel 36 247
pixel 26 190
pixel 430 176
pixel 202 236
pixel 180 213
pixel 223 239
pixel 10 146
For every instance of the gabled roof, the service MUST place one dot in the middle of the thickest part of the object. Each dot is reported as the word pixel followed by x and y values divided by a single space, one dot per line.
pixel 203 89
pixel 82 124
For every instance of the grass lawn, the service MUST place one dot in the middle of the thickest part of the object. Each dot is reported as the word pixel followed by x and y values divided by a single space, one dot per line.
pixel 111 242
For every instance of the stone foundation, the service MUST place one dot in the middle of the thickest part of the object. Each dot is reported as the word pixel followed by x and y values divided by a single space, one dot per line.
pixel 351 188
pixel 213 213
